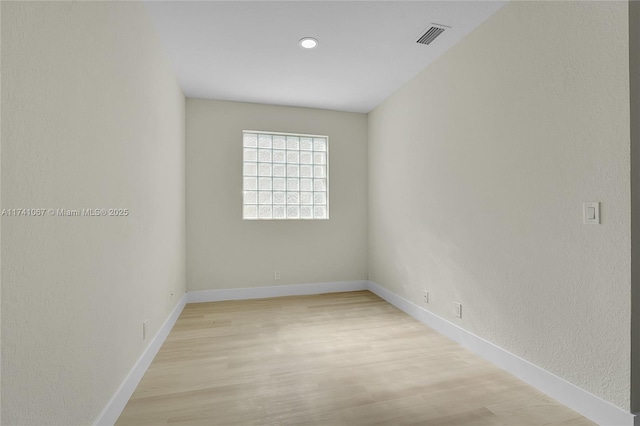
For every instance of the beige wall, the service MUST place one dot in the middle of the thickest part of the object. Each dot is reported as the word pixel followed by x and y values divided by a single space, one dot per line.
pixel 223 251
pixel 92 117
pixel 634 84
pixel 478 169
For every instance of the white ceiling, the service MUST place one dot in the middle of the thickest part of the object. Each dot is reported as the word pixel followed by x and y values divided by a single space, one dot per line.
pixel 248 50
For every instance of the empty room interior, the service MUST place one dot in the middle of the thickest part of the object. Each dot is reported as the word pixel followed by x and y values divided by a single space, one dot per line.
pixel 320 213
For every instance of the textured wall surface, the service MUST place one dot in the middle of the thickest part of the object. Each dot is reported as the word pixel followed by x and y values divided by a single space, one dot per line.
pixel 223 251
pixel 92 117
pixel 478 169
pixel 634 85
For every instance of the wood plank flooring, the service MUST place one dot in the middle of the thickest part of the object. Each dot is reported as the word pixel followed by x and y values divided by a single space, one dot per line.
pixel 332 359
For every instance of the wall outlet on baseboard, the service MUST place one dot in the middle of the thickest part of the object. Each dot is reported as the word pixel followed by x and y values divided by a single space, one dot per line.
pixel 276 275
pixel 144 330
pixel 457 309
pixel 426 296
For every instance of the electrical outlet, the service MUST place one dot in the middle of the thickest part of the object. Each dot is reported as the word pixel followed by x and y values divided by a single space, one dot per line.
pixel 144 330
pixel 426 296
pixel 276 275
pixel 457 309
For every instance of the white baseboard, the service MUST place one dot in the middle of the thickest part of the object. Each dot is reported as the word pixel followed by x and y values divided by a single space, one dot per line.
pixel 274 291
pixel 578 399
pixel 119 400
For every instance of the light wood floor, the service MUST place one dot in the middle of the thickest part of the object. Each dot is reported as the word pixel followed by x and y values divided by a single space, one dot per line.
pixel 334 359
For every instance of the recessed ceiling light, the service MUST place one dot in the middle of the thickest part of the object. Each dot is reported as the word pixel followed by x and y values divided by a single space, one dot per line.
pixel 308 43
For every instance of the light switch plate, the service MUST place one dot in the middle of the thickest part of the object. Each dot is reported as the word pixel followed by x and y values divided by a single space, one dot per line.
pixel 591 213
pixel 457 309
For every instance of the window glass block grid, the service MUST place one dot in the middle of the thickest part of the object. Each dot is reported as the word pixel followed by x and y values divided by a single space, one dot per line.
pixel 285 176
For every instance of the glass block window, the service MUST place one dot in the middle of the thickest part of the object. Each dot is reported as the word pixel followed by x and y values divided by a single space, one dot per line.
pixel 285 176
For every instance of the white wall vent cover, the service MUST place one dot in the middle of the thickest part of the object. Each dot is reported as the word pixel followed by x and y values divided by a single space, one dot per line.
pixel 431 33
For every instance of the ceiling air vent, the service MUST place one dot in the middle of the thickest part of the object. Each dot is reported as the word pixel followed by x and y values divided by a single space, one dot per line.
pixel 431 33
